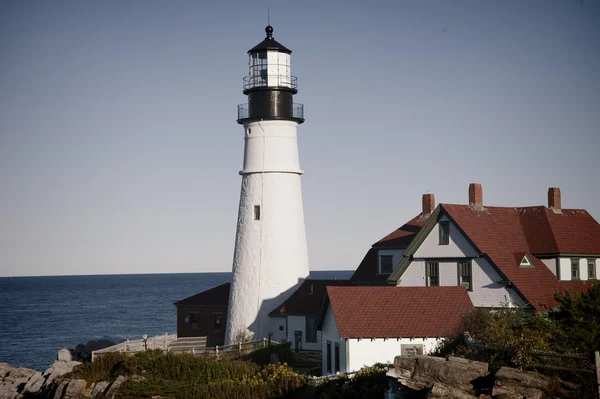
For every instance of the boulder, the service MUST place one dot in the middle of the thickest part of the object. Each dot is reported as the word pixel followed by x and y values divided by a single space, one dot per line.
pixel 452 377
pixel 99 388
pixel 13 380
pixel 110 394
pixel 75 389
pixel 60 389
pixel 58 369
pixel 512 383
pixel 34 385
pixel 64 355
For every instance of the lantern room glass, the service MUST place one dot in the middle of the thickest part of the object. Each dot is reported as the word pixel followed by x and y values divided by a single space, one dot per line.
pixel 269 69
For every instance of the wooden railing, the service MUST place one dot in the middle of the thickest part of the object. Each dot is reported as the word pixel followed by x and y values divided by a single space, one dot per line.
pixel 193 345
pixel 160 342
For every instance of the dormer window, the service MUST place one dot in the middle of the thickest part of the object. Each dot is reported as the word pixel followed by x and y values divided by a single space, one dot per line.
pixel 386 264
pixel 526 263
pixel 444 228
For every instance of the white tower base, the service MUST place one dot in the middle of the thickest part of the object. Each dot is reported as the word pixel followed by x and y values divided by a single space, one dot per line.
pixel 271 257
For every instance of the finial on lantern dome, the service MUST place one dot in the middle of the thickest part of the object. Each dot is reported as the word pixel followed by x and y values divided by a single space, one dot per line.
pixel 269 30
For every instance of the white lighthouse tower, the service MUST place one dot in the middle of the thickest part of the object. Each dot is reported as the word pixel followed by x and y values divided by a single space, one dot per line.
pixel 271 256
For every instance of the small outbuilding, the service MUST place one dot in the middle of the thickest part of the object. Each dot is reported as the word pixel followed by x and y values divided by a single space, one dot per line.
pixel 204 315
pixel 364 325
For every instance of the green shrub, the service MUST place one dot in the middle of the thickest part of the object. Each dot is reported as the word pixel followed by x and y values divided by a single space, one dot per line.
pixel 262 356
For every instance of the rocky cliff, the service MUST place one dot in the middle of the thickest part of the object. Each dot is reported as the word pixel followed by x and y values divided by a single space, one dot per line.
pixel 453 377
pixel 23 383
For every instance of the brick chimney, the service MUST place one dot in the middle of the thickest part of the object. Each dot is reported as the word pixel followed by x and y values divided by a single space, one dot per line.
pixel 428 204
pixel 476 195
pixel 554 199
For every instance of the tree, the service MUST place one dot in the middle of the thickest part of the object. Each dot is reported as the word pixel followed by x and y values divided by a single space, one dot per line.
pixel 578 319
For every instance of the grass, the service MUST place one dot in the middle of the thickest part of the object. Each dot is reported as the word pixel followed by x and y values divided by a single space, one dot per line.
pixel 195 377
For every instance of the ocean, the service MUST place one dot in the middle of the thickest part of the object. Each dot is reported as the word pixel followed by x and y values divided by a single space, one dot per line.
pixel 40 315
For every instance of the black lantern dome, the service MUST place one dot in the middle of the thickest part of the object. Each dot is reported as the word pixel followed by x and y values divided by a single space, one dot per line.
pixel 270 84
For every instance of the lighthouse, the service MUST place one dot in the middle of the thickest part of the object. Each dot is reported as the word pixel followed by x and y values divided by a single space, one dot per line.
pixel 270 258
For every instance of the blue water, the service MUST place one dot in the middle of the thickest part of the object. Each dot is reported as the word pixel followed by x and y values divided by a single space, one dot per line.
pixel 40 315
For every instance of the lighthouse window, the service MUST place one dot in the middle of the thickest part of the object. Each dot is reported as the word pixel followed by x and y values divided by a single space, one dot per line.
pixel 256 212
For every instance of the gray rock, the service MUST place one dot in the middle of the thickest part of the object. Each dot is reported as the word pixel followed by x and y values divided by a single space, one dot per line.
pixel 58 393
pixel 452 377
pixel 75 389
pixel 34 385
pixel 99 388
pixel 512 383
pixel 58 369
pixel 13 380
pixel 64 355
pixel 115 386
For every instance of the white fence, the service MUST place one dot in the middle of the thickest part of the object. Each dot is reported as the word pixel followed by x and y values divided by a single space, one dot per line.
pixel 161 342
pixel 170 343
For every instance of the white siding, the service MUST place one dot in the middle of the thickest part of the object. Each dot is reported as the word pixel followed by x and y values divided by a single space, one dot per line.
pixel 298 323
pixel 551 264
pixel 583 270
pixel 329 332
pixel 458 246
pixel 366 352
pixel 598 269
pixel 274 323
pixel 396 253
pixel 448 274
pixel 565 268
pixel 414 275
pixel 487 292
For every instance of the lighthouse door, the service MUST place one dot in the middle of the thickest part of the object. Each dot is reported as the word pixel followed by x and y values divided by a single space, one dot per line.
pixel 297 341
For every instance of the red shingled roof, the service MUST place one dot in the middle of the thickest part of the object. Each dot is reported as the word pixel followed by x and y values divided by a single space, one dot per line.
pixel 307 299
pixel 399 238
pixel 217 296
pixel 505 234
pixel 403 235
pixel 394 312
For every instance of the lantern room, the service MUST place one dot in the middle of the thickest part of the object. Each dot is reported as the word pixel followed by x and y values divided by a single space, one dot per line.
pixel 269 64
pixel 270 85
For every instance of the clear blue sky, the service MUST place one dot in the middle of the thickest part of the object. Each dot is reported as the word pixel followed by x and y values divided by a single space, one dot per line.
pixel 119 149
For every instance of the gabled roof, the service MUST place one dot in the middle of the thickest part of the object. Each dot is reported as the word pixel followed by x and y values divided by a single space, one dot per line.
pixel 217 296
pixel 307 299
pixel 403 235
pixel 505 234
pixel 395 312
pixel 399 238
pixel 571 231
pixel 497 233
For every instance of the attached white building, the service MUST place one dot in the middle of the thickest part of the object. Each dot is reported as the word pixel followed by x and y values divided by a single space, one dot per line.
pixel 364 325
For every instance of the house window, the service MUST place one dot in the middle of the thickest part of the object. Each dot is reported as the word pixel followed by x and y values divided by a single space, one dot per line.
pixel 328 356
pixel 432 270
pixel 311 328
pixel 574 269
pixel 591 269
pixel 465 274
pixel 444 233
pixel 192 319
pixel 386 264
pixel 337 357
pixel 256 212
pixel 218 317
